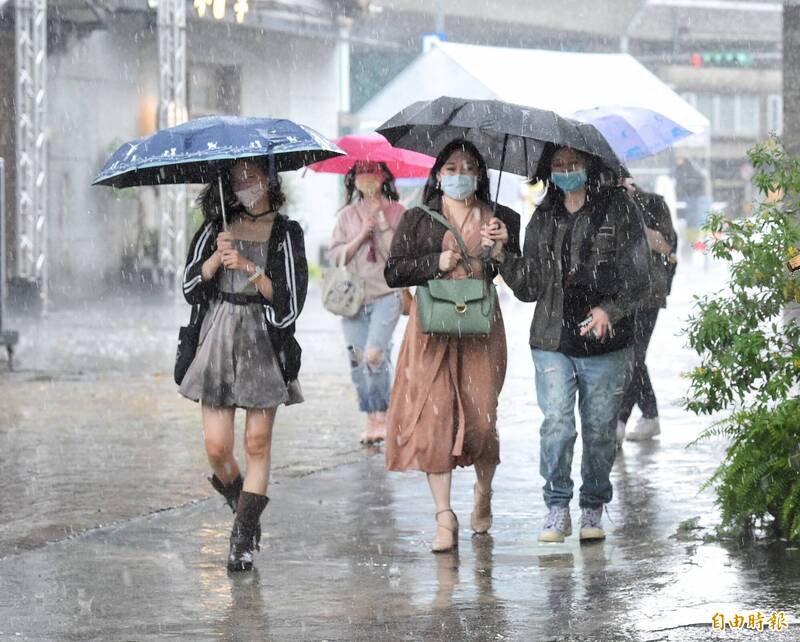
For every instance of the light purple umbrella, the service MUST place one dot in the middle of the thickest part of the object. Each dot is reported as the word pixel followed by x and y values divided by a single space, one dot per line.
pixel 633 132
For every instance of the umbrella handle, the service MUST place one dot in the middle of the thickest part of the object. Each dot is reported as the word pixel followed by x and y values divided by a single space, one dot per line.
pixel 222 205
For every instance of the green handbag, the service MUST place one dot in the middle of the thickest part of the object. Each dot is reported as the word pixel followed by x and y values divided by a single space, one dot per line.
pixel 456 307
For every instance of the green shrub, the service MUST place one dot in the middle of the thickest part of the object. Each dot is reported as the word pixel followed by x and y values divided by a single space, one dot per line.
pixel 750 361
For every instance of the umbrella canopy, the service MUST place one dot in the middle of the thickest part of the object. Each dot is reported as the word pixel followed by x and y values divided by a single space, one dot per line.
pixel 374 147
pixel 511 137
pixel 633 132
pixel 195 151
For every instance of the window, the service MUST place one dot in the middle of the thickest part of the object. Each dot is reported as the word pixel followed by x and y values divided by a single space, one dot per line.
pixel 731 115
pixel 213 90
pixel 748 115
pixel 706 105
pixel 775 114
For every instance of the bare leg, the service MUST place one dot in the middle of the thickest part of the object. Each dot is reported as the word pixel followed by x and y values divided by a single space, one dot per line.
pixel 481 519
pixel 446 522
pixel 218 433
pixel 258 449
pixel 376 370
pixel 484 474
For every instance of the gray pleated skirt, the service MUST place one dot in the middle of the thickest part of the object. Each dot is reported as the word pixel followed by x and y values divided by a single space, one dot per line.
pixel 235 364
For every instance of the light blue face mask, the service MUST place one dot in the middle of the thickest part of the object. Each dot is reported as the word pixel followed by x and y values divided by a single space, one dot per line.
pixel 459 186
pixel 569 181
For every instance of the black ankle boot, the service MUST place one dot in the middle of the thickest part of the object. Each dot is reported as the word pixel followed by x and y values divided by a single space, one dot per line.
pixel 246 532
pixel 229 491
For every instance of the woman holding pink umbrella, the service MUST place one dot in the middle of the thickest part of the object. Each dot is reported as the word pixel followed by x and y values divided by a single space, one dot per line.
pixel 361 241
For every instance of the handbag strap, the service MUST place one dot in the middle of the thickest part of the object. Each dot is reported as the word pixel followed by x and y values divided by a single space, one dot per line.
pixel 456 234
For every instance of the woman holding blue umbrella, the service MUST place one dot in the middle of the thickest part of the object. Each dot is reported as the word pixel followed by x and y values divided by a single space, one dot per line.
pixel 253 278
pixel 246 277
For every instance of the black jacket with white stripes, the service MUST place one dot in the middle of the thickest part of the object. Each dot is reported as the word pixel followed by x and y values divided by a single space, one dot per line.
pixel 286 267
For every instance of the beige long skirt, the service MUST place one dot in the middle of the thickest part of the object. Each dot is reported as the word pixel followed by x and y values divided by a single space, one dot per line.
pixel 443 408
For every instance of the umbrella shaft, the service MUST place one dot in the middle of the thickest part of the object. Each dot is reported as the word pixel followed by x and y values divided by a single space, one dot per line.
pixel 222 204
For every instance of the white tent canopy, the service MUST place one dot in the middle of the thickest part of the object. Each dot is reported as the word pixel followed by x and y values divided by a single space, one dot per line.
pixel 559 81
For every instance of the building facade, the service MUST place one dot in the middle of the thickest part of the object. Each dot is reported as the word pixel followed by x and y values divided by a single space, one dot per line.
pixel 103 76
pixel 724 58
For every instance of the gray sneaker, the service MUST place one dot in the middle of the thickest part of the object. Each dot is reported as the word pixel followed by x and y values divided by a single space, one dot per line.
pixel 592 524
pixel 557 525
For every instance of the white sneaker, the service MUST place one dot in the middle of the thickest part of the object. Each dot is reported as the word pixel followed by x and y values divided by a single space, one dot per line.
pixel 644 429
pixel 592 524
pixel 557 525
pixel 620 433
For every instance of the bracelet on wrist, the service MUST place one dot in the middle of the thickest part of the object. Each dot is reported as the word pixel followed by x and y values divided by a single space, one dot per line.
pixel 259 272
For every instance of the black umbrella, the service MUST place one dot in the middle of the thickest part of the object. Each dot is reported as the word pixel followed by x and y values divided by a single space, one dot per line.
pixel 511 137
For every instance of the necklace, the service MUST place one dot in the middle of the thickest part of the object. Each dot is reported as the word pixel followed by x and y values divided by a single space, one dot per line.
pixel 255 217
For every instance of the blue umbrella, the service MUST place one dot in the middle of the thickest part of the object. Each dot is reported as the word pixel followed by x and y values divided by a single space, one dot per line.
pixel 633 132
pixel 196 151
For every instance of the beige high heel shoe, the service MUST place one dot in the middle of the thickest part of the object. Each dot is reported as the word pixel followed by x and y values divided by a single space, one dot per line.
pixel 481 517
pixel 445 545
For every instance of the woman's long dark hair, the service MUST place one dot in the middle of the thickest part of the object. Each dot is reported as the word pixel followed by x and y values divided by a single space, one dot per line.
pixel 432 187
pixel 388 188
pixel 208 200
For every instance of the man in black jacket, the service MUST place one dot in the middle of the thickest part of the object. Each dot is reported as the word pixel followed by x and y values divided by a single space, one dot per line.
pixel 585 264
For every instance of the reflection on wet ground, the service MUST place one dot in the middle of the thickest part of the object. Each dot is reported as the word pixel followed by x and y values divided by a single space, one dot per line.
pixel 346 557
pixel 345 550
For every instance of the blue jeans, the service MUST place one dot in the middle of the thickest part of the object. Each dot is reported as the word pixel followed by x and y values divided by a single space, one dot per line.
pixel 368 333
pixel 600 383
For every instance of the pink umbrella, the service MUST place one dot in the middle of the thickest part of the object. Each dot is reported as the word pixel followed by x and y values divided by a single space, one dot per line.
pixel 374 147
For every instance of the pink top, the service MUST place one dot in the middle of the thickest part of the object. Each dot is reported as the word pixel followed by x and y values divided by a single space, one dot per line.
pixel 348 227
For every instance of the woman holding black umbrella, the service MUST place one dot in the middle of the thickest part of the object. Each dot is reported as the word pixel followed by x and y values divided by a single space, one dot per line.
pixel 443 409
pixel 252 279
pixel 585 263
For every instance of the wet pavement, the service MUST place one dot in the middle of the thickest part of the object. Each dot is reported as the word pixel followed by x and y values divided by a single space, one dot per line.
pixel 108 530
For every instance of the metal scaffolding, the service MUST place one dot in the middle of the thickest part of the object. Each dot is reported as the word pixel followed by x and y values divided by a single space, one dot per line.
pixel 172 111
pixel 31 143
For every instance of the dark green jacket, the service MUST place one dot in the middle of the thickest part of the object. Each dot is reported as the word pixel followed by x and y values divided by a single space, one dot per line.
pixel 609 253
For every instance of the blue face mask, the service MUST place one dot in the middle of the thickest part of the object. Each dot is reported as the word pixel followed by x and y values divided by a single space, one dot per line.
pixel 569 181
pixel 459 186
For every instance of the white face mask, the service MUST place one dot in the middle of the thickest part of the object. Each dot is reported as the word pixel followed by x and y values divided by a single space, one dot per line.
pixel 250 196
pixel 459 186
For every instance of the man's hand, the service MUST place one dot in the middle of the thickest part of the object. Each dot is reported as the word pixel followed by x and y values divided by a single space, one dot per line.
pixel 600 324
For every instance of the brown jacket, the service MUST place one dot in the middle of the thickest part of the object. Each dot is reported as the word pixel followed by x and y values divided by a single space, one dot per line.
pixel 417 245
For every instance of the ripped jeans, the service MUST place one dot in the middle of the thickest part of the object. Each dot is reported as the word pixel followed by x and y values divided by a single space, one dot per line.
pixel 369 345
pixel 600 383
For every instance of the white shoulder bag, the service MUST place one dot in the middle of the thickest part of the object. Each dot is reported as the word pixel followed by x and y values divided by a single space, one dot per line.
pixel 342 293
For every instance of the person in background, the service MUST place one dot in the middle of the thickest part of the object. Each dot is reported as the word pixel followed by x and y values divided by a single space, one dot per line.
pixel 663 243
pixel 584 263
pixel 361 240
